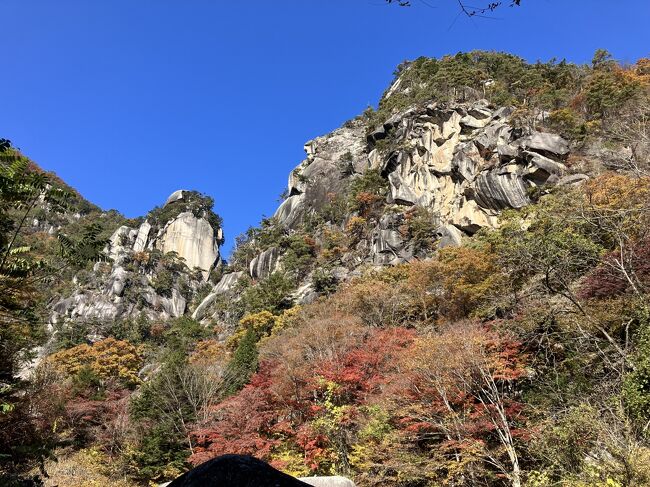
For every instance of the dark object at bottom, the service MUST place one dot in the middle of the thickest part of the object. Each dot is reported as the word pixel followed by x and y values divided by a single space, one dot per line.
pixel 236 471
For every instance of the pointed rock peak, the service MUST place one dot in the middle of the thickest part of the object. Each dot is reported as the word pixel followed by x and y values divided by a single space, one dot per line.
pixel 175 196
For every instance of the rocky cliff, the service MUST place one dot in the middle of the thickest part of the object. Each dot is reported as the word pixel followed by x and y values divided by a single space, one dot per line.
pixel 466 162
pixel 152 271
pixel 390 187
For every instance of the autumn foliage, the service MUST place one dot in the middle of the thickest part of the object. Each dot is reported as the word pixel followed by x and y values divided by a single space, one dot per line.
pixel 107 359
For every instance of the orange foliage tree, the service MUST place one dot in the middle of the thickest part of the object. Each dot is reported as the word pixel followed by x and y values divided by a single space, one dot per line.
pixel 458 401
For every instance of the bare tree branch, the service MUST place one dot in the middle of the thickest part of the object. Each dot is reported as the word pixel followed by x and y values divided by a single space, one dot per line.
pixel 469 11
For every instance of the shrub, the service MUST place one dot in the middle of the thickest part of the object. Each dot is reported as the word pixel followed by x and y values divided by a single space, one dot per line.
pixel 636 384
pixel 324 282
pixel 260 324
pixel 270 294
pixel 183 333
pixel 163 283
pixel 568 123
pixel 335 210
pixel 420 228
pixel 355 229
pixel 298 255
pixel 243 363
pixel 345 164
pixel 367 190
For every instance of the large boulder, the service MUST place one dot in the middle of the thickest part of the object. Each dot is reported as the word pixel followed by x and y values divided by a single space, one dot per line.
pixel 175 196
pixel 499 190
pixel 545 143
pixel 449 236
pixel 236 471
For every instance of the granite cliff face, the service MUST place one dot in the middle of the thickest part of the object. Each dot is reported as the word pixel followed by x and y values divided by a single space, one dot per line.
pixel 153 270
pixel 192 239
pixel 462 162
pixel 465 161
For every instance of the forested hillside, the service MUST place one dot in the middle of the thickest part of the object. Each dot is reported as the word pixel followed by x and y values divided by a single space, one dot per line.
pixel 453 291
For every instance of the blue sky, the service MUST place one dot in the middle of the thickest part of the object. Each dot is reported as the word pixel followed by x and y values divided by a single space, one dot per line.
pixel 129 100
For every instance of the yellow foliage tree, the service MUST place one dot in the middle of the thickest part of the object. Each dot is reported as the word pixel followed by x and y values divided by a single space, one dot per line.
pixel 107 359
pixel 264 324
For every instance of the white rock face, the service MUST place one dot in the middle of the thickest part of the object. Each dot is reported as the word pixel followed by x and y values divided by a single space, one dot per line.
pixel 118 242
pixel 175 196
pixel 117 281
pixel 142 238
pixel 333 481
pixel 193 239
pixel 264 264
pixel 227 282
pixel 174 306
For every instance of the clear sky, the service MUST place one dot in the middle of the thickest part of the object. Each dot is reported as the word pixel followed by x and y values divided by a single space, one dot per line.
pixel 129 100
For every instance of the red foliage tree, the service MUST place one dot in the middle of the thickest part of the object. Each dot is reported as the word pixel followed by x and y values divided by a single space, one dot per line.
pixel 619 272
pixel 278 408
pixel 457 398
pixel 247 423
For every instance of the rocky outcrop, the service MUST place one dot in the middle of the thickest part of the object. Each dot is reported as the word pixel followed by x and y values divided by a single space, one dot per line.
pixel 120 242
pixel 193 239
pixel 464 161
pixel 226 284
pixel 330 161
pixel 131 284
pixel 545 143
pixel 175 196
pixel 264 264
pixel 449 236
pixel 142 238
pixel 104 301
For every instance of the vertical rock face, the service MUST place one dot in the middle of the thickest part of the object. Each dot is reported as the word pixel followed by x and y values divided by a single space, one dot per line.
pixel 193 239
pixel 463 161
pixel 142 238
pixel 225 285
pixel 264 264
pixel 330 162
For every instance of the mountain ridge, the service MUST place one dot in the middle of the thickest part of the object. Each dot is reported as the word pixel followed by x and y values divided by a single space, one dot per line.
pixel 437 267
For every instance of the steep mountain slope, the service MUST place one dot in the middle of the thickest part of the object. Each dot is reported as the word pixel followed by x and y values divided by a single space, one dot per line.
pixel 453 284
